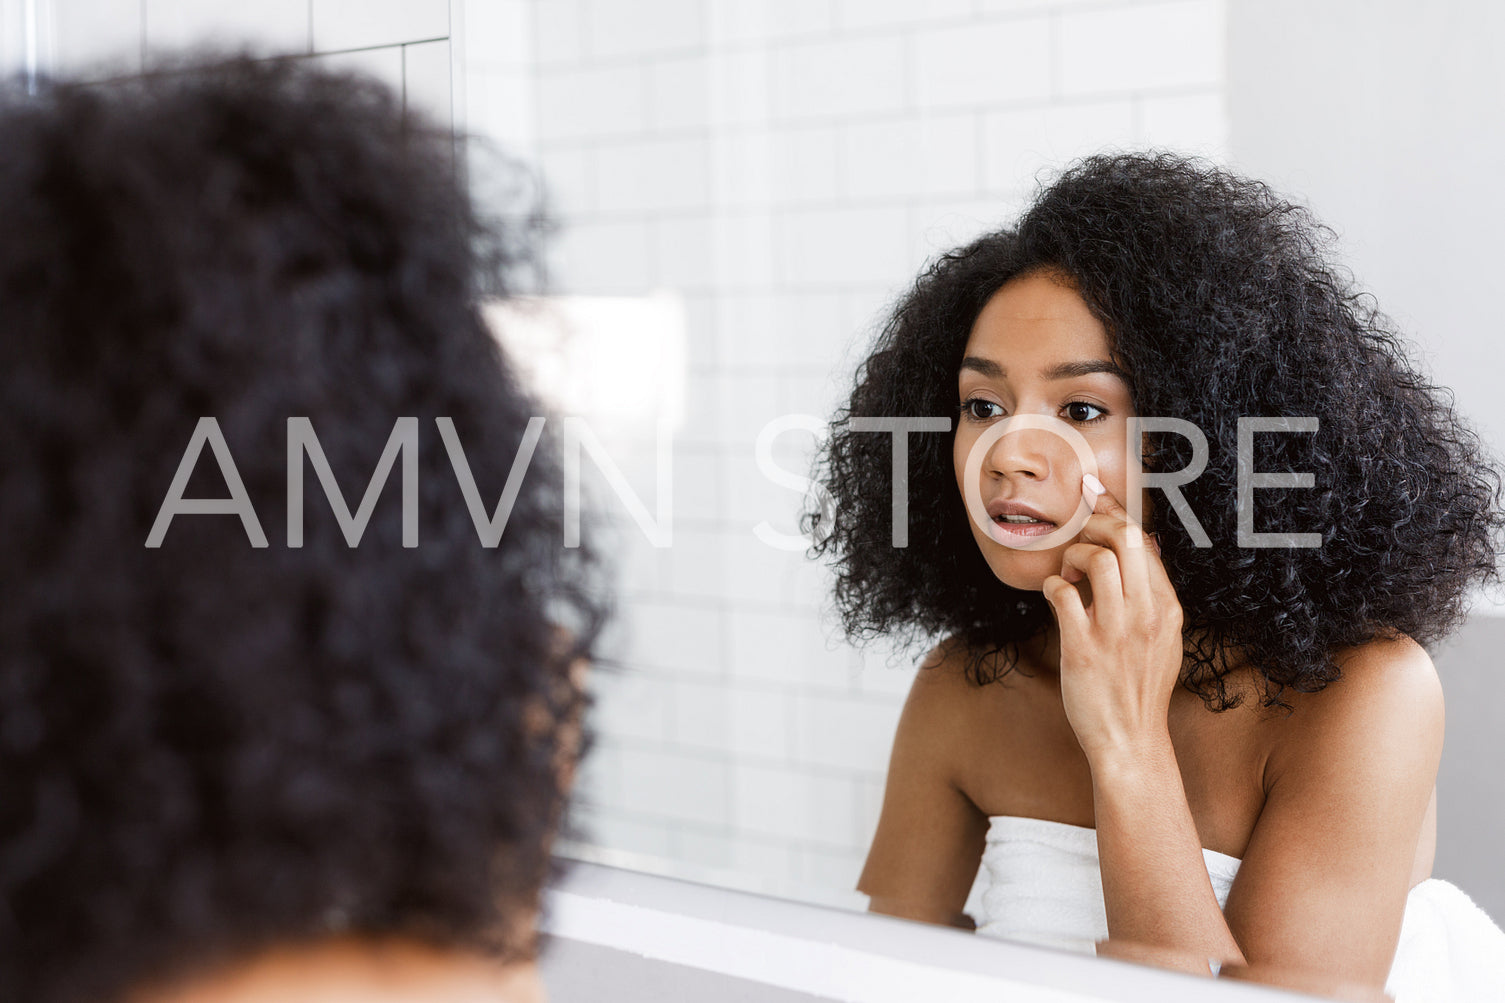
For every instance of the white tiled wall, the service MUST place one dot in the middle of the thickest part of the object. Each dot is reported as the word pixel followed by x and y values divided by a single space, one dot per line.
pixel 405 43
pixel 783 168
pixel 280 25
pixel 364 24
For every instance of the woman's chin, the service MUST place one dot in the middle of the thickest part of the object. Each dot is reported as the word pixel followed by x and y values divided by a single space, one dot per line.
pixel 1023 571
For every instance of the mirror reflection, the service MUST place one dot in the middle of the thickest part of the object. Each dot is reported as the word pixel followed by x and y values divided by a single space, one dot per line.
pixel 785 174
pixel 830 690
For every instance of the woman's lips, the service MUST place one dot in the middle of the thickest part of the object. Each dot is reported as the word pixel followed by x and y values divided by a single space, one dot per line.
pixel 1015 533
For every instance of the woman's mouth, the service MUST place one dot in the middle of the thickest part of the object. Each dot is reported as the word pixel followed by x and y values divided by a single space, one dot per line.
pixel 1015 529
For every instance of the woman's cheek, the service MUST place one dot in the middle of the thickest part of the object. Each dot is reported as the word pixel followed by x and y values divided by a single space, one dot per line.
pixel 1110 456
pixel 961 444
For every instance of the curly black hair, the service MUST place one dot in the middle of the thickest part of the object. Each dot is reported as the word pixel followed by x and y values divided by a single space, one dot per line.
pixel 1220 300
pixel 208 748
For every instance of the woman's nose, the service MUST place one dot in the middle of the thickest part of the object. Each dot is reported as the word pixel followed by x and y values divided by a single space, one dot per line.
pixel 1024 454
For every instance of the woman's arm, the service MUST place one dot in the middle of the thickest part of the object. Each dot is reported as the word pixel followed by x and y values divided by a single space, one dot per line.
pixel 1323 883
pixel 1121 655
pixel 930 836
pixel 1321 892
pixel 1156 889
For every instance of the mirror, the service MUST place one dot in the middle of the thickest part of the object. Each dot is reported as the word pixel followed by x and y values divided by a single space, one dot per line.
pixel 768 177
pixel 744 187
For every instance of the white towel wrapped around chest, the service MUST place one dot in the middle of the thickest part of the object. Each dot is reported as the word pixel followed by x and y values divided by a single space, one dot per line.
pixel 1041 883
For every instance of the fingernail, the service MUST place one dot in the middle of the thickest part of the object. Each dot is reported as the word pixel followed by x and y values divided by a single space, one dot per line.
pixel 1091 483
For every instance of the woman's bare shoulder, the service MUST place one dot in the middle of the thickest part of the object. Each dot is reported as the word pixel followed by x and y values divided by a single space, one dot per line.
pixel 942 671
pixel 949 678
pixel 1387 692
pixel 930 834
pixel 949 717
pixel 1384 671
pixel 941 694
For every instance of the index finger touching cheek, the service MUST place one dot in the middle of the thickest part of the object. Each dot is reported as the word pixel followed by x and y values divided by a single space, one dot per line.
pixel 1103 502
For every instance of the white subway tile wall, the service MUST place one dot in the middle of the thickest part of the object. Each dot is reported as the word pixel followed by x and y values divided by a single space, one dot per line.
pixel 274 25
pixel 785 167
pixel 1010 61
pixel 384 63
pixel 364 24
pixel 1143 48
pixel 426 80
pixel 99 37
pixel 404 43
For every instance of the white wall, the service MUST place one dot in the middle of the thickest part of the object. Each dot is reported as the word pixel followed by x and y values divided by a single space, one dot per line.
pixel 406 43
pixel 1386 116
pixel 778 171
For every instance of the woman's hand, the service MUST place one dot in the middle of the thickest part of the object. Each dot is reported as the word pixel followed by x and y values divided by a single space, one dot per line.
pixel 1121 647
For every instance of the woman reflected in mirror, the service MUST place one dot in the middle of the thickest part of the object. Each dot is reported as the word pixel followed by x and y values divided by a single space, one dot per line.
pixel 1178 702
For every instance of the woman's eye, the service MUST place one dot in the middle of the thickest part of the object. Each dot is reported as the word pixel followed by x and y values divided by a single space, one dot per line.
pixel 981 410
pixel 1080 412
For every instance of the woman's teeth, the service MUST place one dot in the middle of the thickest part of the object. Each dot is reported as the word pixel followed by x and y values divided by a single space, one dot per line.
pixel 1017 530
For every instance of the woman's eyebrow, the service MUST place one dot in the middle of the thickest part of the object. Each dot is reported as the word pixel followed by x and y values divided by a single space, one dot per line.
pixel 1064 371
pixel 1069 370
pixel 986 367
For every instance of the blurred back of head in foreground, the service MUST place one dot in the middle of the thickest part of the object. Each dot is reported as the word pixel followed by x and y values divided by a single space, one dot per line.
pixel 212 749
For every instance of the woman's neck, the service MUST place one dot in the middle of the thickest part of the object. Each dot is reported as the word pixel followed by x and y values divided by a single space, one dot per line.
pixel 1042 652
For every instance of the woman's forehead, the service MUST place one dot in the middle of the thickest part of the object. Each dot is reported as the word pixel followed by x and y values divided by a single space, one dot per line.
pixel 1037 318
